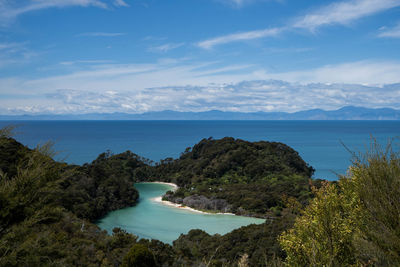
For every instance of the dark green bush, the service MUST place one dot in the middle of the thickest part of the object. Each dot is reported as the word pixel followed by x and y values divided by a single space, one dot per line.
pixel 139 256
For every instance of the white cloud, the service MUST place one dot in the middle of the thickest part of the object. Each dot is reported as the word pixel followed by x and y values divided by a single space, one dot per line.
pixel 343 13
pixel 101 77
pixel 101 34
pixel 336 13
pixel 15 53
pixel 243 36
pixel 11 46
pixel 77 62
pixel 197 87
pixel 247 96
pixel 120 3
pixel 361 72
pixel 236 3
pixel 165 47
pixel 241 3
pixel 391 33
pixel 133 77
pixel 10 10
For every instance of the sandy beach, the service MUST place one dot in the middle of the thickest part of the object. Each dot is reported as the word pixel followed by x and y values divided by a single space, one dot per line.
pixel 179 206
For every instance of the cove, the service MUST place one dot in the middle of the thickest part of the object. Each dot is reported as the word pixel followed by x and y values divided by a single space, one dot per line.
pixel 153 220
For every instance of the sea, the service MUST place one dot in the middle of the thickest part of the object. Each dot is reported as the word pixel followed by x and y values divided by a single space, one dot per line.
pixel 328 146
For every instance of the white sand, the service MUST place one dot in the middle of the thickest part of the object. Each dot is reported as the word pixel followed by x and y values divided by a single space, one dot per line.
pixel 179 206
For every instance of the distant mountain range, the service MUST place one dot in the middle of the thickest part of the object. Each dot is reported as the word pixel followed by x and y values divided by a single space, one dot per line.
pixel 345 113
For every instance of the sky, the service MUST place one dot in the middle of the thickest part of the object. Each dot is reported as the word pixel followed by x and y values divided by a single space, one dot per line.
pixel 135 56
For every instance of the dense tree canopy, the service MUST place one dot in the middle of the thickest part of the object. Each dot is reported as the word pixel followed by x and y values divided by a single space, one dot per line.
pixel 250 176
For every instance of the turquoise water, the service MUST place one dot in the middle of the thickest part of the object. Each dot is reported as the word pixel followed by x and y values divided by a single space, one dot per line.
pixel 318 142
pixel 153 220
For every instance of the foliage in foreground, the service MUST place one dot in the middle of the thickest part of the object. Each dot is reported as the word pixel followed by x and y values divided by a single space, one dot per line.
pixel 353 222
pixel 41 218
pixel 139 256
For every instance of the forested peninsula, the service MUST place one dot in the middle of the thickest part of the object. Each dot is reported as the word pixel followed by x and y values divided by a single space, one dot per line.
pixel 49 208
pixel 233 175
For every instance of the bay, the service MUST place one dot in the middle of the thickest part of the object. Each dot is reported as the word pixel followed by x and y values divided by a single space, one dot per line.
pixel 154 220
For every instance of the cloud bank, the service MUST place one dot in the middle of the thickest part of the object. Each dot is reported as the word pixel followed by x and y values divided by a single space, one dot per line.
pixel 136 88
pixel 247 96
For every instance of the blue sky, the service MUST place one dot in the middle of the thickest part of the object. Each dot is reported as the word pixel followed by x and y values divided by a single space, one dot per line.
pixel 83 56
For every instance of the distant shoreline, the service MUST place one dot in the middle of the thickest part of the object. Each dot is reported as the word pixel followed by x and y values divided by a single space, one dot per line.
pixel 175 187
pixel 343 113
pixel 179 206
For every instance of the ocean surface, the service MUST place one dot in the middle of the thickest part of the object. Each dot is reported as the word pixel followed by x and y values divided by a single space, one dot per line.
pixel 150 219
pixel 320 143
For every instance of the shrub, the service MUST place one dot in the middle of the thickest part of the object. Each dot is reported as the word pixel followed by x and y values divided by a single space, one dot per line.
pixel 139 256
pixel 354 221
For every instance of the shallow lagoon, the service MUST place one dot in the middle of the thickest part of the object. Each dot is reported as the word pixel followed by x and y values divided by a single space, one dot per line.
pixel 154 220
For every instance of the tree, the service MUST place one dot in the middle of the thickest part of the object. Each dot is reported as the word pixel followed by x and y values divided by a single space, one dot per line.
pixel 353 221
pixel 375 180
pixel 323 234
pixel 139 256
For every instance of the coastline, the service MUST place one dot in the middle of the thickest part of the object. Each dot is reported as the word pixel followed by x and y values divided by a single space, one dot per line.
pixel 179 206
pixel 175 187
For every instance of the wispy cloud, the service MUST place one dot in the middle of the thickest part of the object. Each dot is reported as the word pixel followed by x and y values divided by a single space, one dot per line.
pixel 360 72
pixel 10 10
pixel 243 36
pixel 154 38
pixel 120 3
pixel 336 13
pixel 69 63
pixel 276 50
pixel 241 3
pixel 15 53
pixel 102 34
pixel 235 3
pixel 343 13
pixel 165 47
pixel 390 33
pixel 11 46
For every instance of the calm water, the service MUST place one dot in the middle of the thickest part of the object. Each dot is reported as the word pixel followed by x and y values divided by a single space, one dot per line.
pixel 151 219
pixel 318 142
